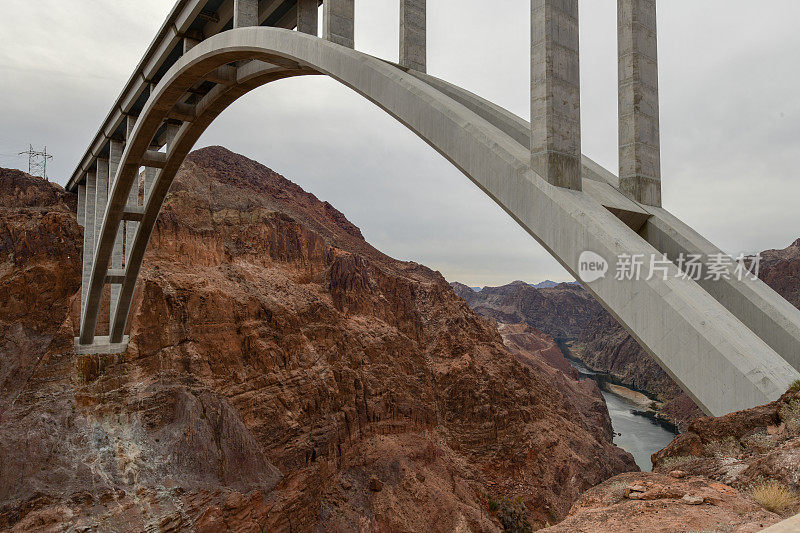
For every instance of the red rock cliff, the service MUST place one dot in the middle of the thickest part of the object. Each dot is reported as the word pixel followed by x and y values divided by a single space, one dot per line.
pixel 569 312
pixel 282 375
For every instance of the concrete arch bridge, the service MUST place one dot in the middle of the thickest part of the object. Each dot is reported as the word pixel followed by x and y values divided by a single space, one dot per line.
pixel 730 343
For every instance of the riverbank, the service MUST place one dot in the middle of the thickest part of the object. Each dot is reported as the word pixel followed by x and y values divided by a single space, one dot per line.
pixel 647 404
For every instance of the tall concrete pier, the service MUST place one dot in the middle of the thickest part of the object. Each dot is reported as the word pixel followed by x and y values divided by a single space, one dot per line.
pixel 556 92
pixel 413 34
pixel 338 22
pixel 133 197
pixel 639 144
pixel 245 13
pixel 308 16
pixel 115 149
pixel 88 234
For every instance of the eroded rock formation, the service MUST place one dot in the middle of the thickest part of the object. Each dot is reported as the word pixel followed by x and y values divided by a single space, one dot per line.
pixel 282 374
pixel 567 312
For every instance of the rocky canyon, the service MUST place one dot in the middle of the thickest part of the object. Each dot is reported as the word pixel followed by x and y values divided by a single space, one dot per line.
pixel 586 331
pixel 282 375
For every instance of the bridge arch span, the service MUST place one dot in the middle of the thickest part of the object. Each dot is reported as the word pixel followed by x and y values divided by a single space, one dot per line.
pixel 721 363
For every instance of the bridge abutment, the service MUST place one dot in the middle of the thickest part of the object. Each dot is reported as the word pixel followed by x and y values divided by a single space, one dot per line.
pixel 639 138
pixel 556 93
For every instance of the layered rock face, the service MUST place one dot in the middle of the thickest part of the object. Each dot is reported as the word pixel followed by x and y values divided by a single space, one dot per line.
pixel 780 269
pixel 282 375
pixel 567 312
pixel 563 311
pixel 539 351
pixel 40 269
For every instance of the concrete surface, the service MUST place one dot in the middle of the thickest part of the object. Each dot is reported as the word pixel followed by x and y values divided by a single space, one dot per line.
pixel 102 345
pixel 133 199
pixel 338 22
pixel 308 16
pixel 639 144
pixel 754 303
pixel 82 204
pixel 88 236
pixel 555 92
pixel 720 362
pixel 413 28
pixel 114 156
pixel 245 13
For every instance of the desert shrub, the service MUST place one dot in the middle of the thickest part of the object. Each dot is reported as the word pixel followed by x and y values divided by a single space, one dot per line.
pixel 794 387
pixel 790 415
pixel 774 496
pixel 512 515
pixel 729 447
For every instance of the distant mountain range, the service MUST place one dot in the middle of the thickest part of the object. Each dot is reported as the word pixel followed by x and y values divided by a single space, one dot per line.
pixel 547 284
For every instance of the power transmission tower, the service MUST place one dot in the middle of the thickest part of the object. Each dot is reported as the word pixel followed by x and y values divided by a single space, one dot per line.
pixel 37 161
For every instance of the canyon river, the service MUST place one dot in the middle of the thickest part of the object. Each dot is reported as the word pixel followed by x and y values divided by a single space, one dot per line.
pixel 637 434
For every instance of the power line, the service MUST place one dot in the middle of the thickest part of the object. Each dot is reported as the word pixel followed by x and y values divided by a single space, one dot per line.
pixel 37 161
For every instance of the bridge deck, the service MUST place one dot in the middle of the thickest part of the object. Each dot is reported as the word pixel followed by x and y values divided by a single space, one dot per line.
pixel 193 19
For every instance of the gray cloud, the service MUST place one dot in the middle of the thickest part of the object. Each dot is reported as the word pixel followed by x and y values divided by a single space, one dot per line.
pixel 729 109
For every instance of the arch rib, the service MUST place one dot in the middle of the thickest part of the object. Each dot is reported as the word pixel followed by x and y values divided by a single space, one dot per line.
pixel 722 364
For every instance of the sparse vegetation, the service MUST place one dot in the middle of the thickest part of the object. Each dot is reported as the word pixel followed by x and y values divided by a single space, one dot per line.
pixel 728 447
pixel 671 462
pixel 512 515
pixel 760 442
pixel 774 495
pixel 794 387
pixel 790 415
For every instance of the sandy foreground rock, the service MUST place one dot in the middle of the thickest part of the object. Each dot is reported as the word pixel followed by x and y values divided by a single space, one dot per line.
pixel 664 505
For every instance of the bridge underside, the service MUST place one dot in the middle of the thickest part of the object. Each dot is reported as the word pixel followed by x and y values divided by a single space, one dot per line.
pixel 730 345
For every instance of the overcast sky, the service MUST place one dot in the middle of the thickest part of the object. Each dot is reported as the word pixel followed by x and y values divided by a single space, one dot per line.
pixel 730 118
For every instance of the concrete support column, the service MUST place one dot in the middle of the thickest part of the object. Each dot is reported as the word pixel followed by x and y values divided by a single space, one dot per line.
pixel 114 157
pixel 189 43
pixel 102 195
pixel 88 235
pixel 639 138
pixel 555 92
pixel 338 22
pixel 170 133
pixel 245 13
pixel 100 209
pixel 81 204
pixel 150 175
pixel 191 39
pixel 133 199
pixel 413 34
pixel 308 16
